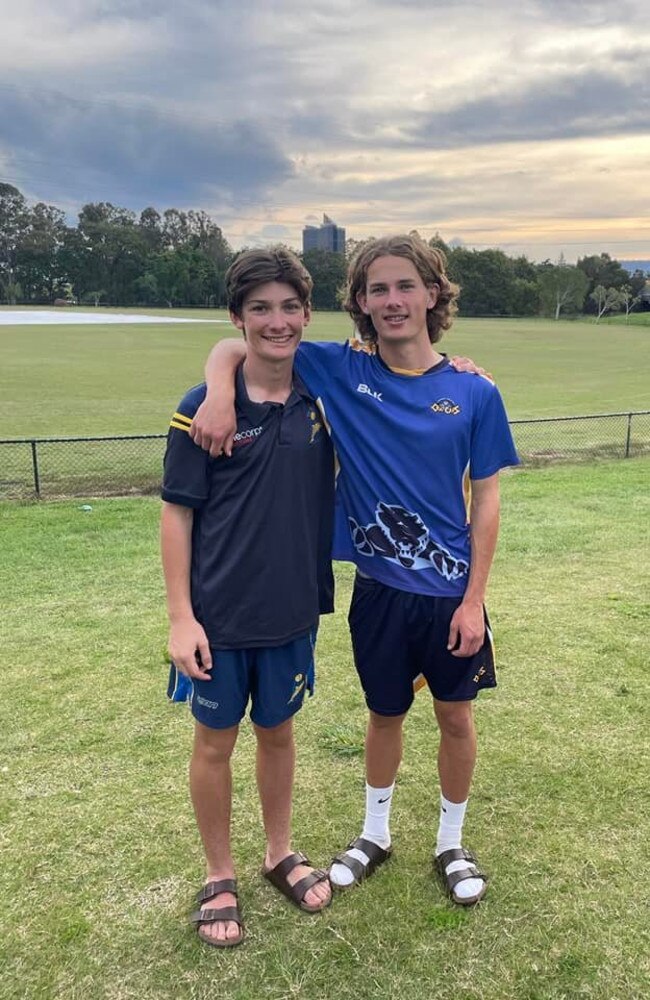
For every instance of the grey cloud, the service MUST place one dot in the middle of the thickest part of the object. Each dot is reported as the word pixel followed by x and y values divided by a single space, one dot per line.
pixel 145 155
pixel 589 104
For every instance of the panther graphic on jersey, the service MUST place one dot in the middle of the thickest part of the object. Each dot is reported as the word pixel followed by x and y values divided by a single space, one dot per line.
pixel 402 536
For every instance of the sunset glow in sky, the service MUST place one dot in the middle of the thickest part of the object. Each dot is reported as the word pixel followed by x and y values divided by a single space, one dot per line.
pixel 520 125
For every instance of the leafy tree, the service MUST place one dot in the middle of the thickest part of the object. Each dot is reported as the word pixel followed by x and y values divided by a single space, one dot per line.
pixel 486 279
pixel 562 287
pixel 628 300
pixel 13 224
pixel 601 269
pixel 605 300
pixel 328 272
pixel 37 253
pixel 438 243
pixel 150 225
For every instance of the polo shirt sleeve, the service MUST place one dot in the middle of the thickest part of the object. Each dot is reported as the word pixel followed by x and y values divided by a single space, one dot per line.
pixel 492 445
pixel 185 467
pixel 318 362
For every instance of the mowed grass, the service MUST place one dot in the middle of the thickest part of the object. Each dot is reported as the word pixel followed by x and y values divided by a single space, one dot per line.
pixel 100 857
pixel 127 379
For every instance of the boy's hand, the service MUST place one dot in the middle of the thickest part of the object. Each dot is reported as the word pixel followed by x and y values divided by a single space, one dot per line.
pixel 189 648
pixel 467 365
pixel 213 427
pixel 466 630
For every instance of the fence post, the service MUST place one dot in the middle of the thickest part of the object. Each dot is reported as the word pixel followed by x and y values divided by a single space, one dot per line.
pixel 37 483
pixel 629 435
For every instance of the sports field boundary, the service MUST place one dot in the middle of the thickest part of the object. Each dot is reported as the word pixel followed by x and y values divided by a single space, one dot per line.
pixel 117 465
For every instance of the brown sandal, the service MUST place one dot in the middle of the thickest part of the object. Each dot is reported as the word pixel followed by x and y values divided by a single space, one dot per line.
pixel 214 914
pixel 451 880
pixel 375 854
pixel 296 893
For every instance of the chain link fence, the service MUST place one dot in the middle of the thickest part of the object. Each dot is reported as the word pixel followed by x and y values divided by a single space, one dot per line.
pixel 132 465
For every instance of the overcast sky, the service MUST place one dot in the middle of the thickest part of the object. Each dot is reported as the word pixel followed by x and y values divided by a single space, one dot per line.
pixel 522 125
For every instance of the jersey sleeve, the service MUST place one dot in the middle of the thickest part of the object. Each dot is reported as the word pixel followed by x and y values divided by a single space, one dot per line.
pixel 317 362
pixel 185 467
pixel 492 446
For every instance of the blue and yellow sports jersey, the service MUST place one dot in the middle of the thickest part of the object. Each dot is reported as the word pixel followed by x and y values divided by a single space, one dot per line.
pixel 408 448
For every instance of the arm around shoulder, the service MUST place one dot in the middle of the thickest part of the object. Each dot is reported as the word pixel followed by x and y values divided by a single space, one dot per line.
pixel 214 423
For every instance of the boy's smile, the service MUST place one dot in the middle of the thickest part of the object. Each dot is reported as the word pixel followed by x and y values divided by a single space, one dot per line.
pixel 273 319
pixel 397 300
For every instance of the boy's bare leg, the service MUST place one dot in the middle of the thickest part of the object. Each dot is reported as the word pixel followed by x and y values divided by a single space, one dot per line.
pixel 276 754
pixel 457 751
pixel 383 748
pixel 456 760
pixel 211 789
pixel 383 757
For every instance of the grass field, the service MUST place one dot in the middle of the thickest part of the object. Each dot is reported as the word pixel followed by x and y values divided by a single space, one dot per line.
pixel 100 853
pixel 104 380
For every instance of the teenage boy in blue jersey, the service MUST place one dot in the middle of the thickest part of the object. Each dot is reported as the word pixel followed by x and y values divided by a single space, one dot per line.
pixel 420 447
pixel 246 547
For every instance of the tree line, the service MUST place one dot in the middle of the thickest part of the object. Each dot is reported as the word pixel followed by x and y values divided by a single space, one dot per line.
pixel 175 258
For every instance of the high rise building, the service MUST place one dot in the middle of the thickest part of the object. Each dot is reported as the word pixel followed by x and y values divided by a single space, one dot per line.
pixel 327 236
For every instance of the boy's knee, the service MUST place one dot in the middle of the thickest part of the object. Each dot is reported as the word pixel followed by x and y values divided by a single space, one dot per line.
pixel 275 737
pixel 455 719
pixel 214 746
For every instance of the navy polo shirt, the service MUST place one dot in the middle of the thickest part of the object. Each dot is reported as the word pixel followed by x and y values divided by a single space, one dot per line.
pixel 261 538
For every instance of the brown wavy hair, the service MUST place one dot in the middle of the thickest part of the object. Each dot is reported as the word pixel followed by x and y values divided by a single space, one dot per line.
pixel 256 267
pixel 429 262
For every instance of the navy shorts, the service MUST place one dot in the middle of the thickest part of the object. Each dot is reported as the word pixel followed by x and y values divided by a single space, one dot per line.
pixel 273 678
pixel 398 636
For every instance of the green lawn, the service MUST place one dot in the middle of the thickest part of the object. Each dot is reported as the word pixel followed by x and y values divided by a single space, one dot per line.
pixel 103 380
pixel 100 856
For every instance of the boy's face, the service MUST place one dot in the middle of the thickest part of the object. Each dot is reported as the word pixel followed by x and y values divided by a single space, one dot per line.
pixel 397 300
pixel 272 320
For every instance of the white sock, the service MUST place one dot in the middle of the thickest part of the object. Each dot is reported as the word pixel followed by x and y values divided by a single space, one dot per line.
pixel 375 828
pixel 450 831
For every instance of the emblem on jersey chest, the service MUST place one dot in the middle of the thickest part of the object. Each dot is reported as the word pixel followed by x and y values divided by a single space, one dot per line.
pixel 446 405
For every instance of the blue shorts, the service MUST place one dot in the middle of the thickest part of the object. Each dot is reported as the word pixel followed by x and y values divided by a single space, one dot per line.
pixel 274 678
pixel 397 636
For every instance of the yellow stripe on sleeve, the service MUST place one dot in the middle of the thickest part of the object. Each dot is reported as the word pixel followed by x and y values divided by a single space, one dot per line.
pixel 180 427
pixel 182 418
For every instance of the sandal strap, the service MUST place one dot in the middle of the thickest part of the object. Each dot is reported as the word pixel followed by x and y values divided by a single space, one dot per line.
pixel 212 889
pixel 211 916
pixel 455 877
pixel 287 865
pixel 454 854
pixel 376 856
pixel 300 888
pixel 357 867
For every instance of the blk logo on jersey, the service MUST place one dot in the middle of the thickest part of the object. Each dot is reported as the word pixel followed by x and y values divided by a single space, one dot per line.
pixel 401 536
pixel 446 406
pixel 366 390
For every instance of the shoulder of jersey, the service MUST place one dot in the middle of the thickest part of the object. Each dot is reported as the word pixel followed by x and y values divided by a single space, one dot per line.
pixel 482 379
pixel 182 418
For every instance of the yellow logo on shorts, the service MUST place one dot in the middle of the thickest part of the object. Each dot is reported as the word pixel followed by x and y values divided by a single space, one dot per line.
pixel 300 685
pixel 478 676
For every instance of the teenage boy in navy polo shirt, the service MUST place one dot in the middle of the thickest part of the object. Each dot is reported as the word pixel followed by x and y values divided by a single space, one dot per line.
pixel 420 447
pixel 246 545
